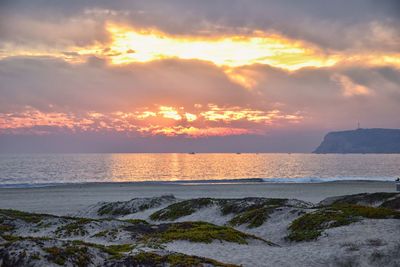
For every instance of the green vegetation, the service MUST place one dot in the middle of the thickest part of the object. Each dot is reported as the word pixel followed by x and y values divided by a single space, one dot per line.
pixel 236 206
pixel 199 232
pixel 127 207
pixel 11 238
pixel 115 251
pixel 392 204
pixel 43 224
pixel 380 196
pixel 113 209
pixel 367 212
pixel 75 228
pixel 14 238
pixel 107 233
pixel 35 256
pixel 311 225
pixel 181 209
pixel 76 254
pixel 135 221
pixel 256 207
pixel 6 228
pixel 175 259
pixel 118 209
pixel 102 233
pixel 365 198
pixel 254 215
pixel 253 218
pixel 25 216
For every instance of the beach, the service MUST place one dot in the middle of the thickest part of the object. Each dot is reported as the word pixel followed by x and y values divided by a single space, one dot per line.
pixel 69 198
pixel 209 210
pixel 342 223
pixel 192 133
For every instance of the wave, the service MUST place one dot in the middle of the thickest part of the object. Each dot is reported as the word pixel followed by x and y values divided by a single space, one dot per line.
pixel 305 180
pixel 328 179
pixel 32 185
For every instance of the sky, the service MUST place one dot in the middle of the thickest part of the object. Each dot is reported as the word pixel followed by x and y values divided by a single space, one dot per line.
pixel 187 75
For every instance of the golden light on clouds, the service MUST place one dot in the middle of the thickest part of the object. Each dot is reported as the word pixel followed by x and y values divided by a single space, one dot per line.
pixel 215 113
pixel 32 117
pixel 231 54
pixel 195 132
pixel 169 113
pixel 212 120
pixel 190 117
pixel 131 45
pixel 246 78
pixel 351 88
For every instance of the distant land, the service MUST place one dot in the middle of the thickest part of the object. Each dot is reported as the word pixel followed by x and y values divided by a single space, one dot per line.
pixel 361 141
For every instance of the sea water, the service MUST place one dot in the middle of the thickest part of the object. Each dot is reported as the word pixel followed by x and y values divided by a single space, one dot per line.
pixel 25 170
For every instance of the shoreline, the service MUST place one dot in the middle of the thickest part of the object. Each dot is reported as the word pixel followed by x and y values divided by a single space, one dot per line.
pixel 69 198
pixel 308 180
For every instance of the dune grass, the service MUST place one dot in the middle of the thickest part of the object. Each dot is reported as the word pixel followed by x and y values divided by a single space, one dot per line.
pixel 174 259
pixel 311 225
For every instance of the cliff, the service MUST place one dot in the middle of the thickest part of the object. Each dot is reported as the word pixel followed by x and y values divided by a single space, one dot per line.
pixel 361 141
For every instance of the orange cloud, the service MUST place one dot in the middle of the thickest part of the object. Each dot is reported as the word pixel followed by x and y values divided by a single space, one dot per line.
pixel 230 114
pixel 164 120
pixel 195 132
pixel 31 117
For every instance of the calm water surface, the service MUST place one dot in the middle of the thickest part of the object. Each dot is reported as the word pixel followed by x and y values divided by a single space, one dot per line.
pixel 28 169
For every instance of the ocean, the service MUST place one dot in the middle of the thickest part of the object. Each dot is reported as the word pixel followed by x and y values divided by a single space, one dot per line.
pixel 29 170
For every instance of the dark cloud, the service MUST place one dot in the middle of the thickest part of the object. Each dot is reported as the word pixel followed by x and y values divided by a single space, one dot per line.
pixel 322 97
pixel 95 85
pixel 341 25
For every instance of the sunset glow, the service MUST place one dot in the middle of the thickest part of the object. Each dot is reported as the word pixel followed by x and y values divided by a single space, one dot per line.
pixel 157 122
pixel 143 45
pixel 169 113
pixel 130 45
pixel 144 69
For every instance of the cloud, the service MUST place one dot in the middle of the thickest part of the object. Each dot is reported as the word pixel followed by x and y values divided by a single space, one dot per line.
pixel 333 97
pixel 188 97
pixel 171 97
pixel 321 65
pixel 95 85
pixel 338 25
pixel 349 87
